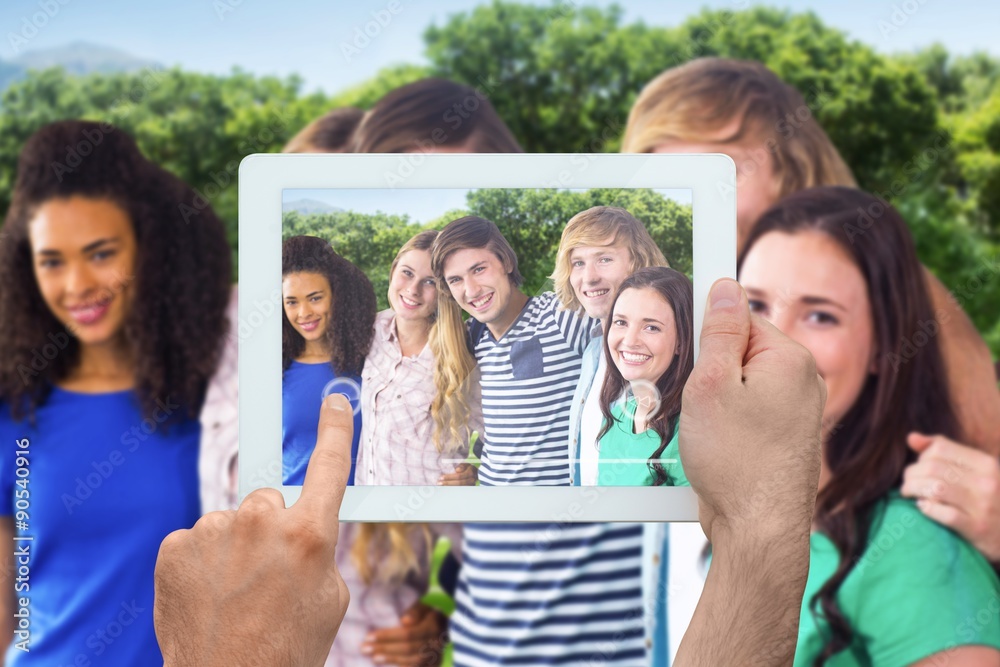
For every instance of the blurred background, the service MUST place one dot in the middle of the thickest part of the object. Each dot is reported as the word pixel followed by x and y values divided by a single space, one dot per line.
pixel 908 90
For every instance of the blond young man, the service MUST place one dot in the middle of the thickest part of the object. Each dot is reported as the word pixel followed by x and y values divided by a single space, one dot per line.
pixel 599 248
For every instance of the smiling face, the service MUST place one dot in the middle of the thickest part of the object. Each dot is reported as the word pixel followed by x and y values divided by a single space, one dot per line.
pixel 479 283
pixel 809 287
pixel 84 254
pixel 757 186
pixel 595 274
pixel 412 291
pixel 308 302
pixel 642 335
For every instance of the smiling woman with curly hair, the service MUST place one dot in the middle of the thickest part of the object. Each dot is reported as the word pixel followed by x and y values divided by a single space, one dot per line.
pixel 326 332
pixel 112 320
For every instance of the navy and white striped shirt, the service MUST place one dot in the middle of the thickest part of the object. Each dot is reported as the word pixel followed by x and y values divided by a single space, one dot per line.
pixel 537 594
pixel 528 378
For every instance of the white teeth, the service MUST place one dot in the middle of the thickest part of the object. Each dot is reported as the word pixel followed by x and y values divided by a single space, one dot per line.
pixel 596 293
pixel 634 358
pixel 476 303
pixel 408 302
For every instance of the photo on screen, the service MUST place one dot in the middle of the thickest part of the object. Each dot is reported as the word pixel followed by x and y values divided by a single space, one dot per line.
pixel 458 323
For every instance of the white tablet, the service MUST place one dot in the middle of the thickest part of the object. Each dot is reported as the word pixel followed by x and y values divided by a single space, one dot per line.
pixel 365 207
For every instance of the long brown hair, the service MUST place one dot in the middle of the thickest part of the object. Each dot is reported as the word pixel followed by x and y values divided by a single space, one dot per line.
pixel 431 113
pixel 866 452
pixel 176 325
pixel 676 289
pixel 349 334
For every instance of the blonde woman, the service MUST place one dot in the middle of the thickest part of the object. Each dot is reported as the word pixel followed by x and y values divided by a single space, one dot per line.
pixel 387 566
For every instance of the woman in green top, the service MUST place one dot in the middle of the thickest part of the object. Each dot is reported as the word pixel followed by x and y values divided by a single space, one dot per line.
pixel 650 354
pixel 836 270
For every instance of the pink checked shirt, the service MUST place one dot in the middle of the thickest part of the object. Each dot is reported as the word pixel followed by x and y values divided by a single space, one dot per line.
pixel 397 430
pixel 378 605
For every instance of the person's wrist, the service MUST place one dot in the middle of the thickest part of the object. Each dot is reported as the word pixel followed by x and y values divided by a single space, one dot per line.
pixel 753 539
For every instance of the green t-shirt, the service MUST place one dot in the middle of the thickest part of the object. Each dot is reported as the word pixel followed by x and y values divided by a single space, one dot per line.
pixel 623 455
pixel 918 589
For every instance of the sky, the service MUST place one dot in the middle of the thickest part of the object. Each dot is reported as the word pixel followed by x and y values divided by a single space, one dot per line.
pixel 308 36
pixel 422 205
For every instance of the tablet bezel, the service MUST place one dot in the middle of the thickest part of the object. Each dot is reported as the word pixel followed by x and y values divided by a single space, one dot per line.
pixel 711 179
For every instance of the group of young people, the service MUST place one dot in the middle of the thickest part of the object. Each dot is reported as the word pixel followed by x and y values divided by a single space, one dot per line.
pixel 121 388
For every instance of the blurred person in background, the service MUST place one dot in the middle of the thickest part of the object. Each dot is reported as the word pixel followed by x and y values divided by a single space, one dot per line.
pixel 887 586
pixel 113 312
pixel 433 116
pixel 741 108
pixel 326 331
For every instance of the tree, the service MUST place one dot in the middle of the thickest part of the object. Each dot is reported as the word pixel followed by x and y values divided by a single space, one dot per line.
pixel 561 77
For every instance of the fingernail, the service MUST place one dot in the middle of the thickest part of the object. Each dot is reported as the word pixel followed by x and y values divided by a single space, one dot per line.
pixel 725 294
pixel 336 402
pixel 366 649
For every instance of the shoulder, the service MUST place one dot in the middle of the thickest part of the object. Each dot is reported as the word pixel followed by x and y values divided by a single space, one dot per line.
pixel 545 303
pixel 906 548
pixel 916 587
pixel 547 307
pixel 384 318
pixel 383 325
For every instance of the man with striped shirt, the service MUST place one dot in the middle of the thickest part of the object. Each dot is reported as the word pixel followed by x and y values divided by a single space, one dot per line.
pixel 532 594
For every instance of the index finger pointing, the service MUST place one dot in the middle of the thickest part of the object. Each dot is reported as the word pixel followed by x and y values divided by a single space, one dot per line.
pixel 330 463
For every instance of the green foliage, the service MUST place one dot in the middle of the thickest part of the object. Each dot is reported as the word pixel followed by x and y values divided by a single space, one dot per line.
pixel 962 82
pixel 561 77
pixel 531 220
pixel 977 142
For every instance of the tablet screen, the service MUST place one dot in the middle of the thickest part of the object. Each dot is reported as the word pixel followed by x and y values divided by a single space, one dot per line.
pixel 558 363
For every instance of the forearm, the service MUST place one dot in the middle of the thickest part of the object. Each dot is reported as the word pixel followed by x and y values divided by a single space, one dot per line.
pixel 972 380
pixel 752 598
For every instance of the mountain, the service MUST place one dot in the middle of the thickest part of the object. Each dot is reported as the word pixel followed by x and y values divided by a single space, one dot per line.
pixel 309 207
pixel 78 58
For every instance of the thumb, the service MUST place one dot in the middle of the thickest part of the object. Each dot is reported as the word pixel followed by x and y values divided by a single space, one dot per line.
pixel 919 442
pixel 725 332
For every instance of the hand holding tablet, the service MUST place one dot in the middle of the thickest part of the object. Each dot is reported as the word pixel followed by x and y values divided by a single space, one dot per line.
pixel 750 438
